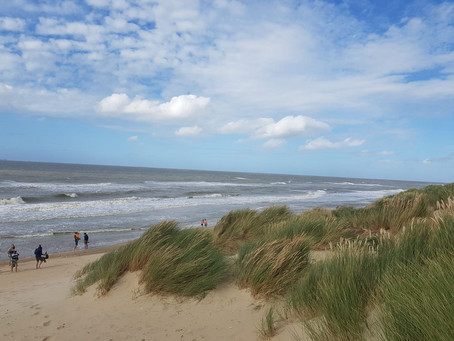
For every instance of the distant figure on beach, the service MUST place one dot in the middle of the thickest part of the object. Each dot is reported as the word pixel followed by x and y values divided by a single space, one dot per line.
pixel 40 257
pixel 10 253
pixel 76 240
pixel 14 258
pixel 205 223
pixel 85 241
pixel 201 222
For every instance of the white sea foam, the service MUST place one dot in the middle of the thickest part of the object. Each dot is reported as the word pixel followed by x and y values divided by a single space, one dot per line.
pixel 131 205
pixel 347 183
pixel 12 201
pixel 212 195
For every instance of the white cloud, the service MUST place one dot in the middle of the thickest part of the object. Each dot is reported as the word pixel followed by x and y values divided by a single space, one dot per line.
pixel 291 126
pixel 323 143
pixel 189 131
pixel 11 24
pixel 233 6
pixel 179 107
pixel 133 138
pixel 116 4
pixel 276 132
pixel 245 126
pixel 59 103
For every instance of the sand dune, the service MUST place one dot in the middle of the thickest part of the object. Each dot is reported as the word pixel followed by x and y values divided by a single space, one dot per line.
pixel 38 305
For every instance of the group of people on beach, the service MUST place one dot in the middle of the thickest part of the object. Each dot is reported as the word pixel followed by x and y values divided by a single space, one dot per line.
pixel 13 256
pixel 77 238
pixel 204 223
pixel 40 256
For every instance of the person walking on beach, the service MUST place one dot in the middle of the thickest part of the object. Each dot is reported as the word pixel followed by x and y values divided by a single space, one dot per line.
pixel 14 258
pixel 40 257
pixel 85 240
pixel 10 253
pixel 76 240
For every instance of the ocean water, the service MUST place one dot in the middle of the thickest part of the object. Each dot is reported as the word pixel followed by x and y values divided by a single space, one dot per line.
pixel 45 203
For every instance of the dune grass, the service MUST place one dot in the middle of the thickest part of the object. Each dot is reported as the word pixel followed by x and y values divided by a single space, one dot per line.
pixel 391 213
pixel 241 226
pixel 267 327
pixel 417 301
pixel 333 297
pixel 320 226
pixel 190 265
pixel 337 292
pixel 393 256
pixel 271 267
pixel 182 262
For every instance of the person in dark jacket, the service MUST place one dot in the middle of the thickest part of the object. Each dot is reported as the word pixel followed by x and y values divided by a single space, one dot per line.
pixel 85 240
pixel 40 257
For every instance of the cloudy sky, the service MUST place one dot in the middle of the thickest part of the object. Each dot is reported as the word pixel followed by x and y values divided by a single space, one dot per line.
pixel 354 88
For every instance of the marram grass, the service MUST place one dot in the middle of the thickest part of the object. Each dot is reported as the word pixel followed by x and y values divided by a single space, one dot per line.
pixel 189 266
pixel 271 267
pixel 241 226
pixel 333 296
pixel 417 302
pixel 182 262
pixel 370 270
pixel 267 327
pixel 336 291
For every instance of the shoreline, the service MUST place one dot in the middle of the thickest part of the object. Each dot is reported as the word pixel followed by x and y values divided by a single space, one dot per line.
pixel 67 254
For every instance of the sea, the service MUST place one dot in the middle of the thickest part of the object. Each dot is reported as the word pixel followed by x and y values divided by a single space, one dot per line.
pixel 45 203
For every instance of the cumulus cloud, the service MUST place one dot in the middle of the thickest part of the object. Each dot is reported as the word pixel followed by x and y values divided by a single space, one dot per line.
pixel 323 143
pixel 189 131
pixel 179 107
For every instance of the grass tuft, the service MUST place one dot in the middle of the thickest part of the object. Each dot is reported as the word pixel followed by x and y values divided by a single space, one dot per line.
pixel 267 328
pixel 241 226
pixel 271 267
pixel 183 262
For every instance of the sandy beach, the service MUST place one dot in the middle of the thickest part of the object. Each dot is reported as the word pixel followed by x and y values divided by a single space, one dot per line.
pixel 37 304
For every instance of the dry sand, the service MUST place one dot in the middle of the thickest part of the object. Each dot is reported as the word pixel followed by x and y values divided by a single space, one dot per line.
pixel 38 305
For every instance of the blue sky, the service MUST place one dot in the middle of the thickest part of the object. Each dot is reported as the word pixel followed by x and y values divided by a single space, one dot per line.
pixel 333 88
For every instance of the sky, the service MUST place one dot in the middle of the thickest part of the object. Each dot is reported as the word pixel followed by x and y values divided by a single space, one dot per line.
pixel 354 88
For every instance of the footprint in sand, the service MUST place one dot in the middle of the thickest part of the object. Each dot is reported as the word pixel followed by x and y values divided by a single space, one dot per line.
pixel 45 324
pixel 36 307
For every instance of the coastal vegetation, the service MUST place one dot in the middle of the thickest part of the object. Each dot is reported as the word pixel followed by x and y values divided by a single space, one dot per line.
pixel 386 271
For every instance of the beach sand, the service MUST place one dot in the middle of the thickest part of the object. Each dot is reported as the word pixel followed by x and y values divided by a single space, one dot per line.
pixel 38 305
